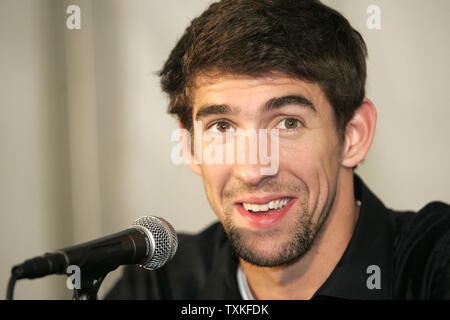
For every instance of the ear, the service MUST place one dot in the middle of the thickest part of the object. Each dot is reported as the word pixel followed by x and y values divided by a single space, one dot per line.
pixel 359 134
pixel 186 142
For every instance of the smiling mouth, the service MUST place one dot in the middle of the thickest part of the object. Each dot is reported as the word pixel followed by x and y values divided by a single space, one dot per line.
pixel 264 208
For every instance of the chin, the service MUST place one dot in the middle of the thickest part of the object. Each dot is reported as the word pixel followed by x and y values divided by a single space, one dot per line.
pixel 270 248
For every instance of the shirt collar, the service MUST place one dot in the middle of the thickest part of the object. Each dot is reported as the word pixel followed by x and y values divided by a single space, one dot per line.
pixel 368 255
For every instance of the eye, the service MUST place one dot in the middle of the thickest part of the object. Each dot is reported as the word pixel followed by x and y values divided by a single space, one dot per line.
pixel 289 124
pixel 221 127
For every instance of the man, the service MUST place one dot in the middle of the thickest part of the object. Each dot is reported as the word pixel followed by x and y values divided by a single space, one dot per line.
pixel 310 229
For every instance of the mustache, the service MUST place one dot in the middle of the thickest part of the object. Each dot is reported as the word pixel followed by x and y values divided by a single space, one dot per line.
pixel 267 186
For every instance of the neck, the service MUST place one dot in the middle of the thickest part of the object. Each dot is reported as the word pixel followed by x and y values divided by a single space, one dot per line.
pixel 301 279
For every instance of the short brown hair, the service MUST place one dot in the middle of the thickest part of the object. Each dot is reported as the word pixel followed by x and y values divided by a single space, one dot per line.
pixel 303 39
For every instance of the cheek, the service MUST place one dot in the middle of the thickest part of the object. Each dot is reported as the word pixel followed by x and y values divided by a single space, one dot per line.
pixel 300 162
pixel 300 158
pixel 312 153
pixel 314 163
pixel 215 178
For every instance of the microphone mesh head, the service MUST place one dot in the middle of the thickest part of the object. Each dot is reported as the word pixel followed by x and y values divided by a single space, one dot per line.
pixel 165 239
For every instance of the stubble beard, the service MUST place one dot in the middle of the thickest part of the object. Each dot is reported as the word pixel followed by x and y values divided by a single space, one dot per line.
pixel 246 243
pixel 280 246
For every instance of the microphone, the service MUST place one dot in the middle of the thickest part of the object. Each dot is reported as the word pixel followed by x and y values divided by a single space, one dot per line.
pixel 150 243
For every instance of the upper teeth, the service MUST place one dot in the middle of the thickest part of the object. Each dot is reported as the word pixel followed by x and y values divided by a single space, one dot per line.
pixel 274 204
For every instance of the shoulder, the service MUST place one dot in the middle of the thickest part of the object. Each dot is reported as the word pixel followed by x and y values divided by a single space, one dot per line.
pixel 422 251
pixel 209 241
pixel 429 225
pixel 182 277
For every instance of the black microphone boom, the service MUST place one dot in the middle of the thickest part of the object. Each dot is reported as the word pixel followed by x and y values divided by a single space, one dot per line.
pixel 150 242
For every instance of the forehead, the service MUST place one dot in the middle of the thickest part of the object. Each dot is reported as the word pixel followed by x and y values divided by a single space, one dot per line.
pixel 245 91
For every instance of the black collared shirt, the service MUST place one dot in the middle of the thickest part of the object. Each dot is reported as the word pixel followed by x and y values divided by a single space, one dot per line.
pixel 391 255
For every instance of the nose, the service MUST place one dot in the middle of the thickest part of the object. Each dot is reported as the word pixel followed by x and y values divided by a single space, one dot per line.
pixel 250 174
pixel 251 161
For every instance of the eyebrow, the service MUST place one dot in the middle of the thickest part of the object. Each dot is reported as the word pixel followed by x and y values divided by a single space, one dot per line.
pixel 272 104
pixel 280 102
pixel 212 110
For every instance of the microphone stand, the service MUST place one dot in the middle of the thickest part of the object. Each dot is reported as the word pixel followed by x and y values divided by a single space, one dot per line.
pixel 89 287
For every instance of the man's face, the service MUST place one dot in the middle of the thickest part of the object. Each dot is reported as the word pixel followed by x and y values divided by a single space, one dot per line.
pixel 270 219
